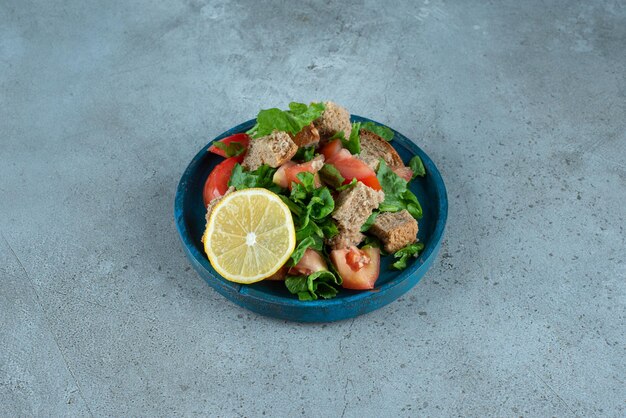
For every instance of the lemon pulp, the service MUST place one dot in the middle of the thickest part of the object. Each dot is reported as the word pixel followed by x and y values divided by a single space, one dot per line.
pixel 249 236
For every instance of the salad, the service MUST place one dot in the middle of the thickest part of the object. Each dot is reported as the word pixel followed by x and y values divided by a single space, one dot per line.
pixel 328 196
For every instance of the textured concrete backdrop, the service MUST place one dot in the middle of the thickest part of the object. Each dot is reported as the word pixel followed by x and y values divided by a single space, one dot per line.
pixel 522 106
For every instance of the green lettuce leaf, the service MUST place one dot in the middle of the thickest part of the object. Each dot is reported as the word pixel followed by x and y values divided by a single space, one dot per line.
pixel 417 166
pixel 397 195
pixel 231 150
pixel 403 254
pixel 353 143
pixel 293 120
pixel 304 154
pixel 347 185
pixel 241 178
pixel 381 131
pixel 331 176
pixel 369 222
pixel 313 242
pixel 319 284
pixel 321 203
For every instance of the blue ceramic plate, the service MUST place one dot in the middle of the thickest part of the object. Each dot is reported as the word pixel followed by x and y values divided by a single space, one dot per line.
pixel 272 298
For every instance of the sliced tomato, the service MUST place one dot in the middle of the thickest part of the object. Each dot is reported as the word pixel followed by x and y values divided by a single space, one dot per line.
pixel 404 172
pixel 351 167
pixel 332 148
pixel 243 139
pixel 217 182
pixel 280 176
pixel 288 172
pixel 358 268
pixel 310 262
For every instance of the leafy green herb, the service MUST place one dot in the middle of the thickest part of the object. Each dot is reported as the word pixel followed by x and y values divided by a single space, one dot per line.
pixel 397 195
pixel 353 143
pixel 311 207
pixel 331 176
pixel 417 166
pixel 231 150
pixel 293 120
pixel 381 131
pixel 328 227
pixel 403 254
pixel 261 177
pixel 412 204
pixel 347 185
pixel 313 242
pixel 301 191
pixel 371 241
pixel 304 154
pixel 319 284
pixel 369 222
pixel 321 203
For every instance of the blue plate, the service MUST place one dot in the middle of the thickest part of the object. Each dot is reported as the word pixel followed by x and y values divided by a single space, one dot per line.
pixel 272 298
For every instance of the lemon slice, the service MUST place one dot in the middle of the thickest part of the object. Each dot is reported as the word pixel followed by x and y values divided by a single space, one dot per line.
pixel 249 236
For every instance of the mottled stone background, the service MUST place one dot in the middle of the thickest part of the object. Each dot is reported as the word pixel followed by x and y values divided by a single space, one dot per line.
pixel 522 105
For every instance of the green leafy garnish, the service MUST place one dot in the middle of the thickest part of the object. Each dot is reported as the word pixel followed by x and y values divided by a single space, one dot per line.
pixel 331 176
pixel 311 208
pixel 403 254
pixel 231 150
pixel 381 131
pixel 417 166
pixel 369 222
pixel 321 203
pixel 313 242
pixel 319 284
pixel 328 227
pixel 304 154
pixel 293 120
pixel 353 143
pixel 241 179
pixel 397 195
pixel 347 185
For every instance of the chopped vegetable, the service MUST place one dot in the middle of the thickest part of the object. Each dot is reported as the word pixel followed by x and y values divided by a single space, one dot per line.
pixel 261 177
pixel 231 146
pixel 293 120
pixel 382 131
pixel 397 195
pixel 403 254
pixel 417 166
pixel 217 182
pixel 319 284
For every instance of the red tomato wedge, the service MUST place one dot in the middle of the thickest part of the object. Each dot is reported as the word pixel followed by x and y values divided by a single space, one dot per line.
pixel 288 172
pixel 217 182
pixel 404 172
pixel 351 167
pixel 359 269
pixel 332 148
pixel 310 262
pixel 243 139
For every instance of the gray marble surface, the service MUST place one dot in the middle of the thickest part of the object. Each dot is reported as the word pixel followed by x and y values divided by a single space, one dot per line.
pixel 522 105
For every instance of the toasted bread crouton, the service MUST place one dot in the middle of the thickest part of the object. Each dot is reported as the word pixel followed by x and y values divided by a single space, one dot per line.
pixel 308 136
pixel 354 205
pixel 274 150
pixel 373 148
pixel 395 229
pixel 345 239
pixel 334 119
